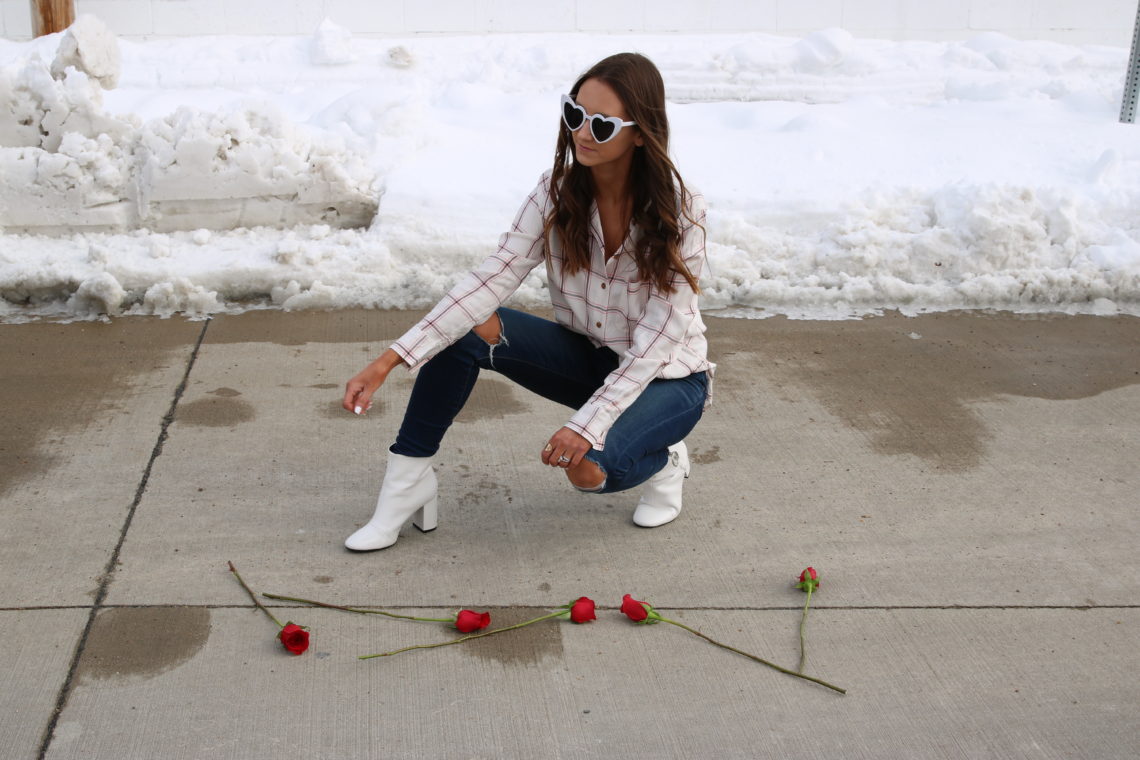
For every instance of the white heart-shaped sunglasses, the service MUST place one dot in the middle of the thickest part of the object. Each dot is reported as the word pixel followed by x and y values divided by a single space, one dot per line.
pixel 603 128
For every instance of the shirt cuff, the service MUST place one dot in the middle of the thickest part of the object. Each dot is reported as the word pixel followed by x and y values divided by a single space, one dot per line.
pixel 589 423
pixel 410 357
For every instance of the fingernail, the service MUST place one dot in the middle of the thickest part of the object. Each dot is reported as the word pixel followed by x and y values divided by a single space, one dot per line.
pixel 358 410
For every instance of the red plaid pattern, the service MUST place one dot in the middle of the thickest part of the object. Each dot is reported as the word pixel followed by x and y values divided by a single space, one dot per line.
pixel 657 335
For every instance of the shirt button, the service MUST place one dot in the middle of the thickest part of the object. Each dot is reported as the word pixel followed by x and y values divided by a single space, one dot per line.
pixel 603 286
pixel 597 324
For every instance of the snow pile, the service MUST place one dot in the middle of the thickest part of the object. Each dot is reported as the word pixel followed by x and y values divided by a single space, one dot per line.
pixel 958 247
pixel 331 45
pixel 89 46
pixel 63 161
pixel 844 175
pixel 247 167
pixel 67 165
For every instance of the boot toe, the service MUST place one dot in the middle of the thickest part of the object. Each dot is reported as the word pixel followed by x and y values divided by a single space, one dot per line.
pixel 650 516
pixel 369 539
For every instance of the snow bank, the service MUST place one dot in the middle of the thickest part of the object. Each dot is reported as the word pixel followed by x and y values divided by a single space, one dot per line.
pixel 844 176
pixel 89 46
pixel 68 166
pixel 247 167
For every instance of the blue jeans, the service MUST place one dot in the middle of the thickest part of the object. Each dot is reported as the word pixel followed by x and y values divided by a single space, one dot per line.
pixel 563 366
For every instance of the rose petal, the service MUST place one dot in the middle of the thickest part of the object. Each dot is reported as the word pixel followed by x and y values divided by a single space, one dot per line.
pixel 582 610
pixel 468 621
pixel 294 638
pixel 633 609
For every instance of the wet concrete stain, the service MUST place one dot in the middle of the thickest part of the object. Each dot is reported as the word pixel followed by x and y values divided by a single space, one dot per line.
pixel 324 386
pixel 224 392
pixel 490 400
pixel 59 379
pixel 144 642
pixel 484 491
pixel 528 645
pixel 705 456
pixel 331 409
pixel 214 412
pixel 322 579
pixel 915 396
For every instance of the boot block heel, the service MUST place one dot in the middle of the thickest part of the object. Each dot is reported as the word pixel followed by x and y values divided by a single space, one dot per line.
pixel 427 516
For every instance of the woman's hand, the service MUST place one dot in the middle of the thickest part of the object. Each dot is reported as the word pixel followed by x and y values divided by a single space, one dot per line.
pixel 565 449
pixel 358 391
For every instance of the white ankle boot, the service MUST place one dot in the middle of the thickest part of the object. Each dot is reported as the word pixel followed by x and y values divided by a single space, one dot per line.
pixel 661 498
pixel 409 487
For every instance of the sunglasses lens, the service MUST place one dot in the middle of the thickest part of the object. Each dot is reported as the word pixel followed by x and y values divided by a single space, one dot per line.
pixel 572 115
pixel 602 129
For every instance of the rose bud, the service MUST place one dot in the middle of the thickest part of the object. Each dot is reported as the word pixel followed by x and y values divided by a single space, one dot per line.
pixel 809 579
pixel 294 638
pixel 582 611
pixel 468 620
pixel 633 609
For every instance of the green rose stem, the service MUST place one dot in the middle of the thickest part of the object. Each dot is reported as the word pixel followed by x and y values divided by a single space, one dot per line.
pixel 465 638
pixel 746 654
pixel 359 610
pixel 803 626
pixel 809 582
pixel 252 596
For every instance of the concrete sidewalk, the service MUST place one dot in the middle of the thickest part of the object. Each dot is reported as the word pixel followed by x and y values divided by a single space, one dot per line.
pixel 965 483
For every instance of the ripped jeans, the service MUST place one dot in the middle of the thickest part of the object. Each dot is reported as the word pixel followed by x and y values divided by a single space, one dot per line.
pixel 565 367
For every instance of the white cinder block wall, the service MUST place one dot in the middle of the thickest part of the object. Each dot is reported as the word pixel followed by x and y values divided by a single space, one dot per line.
pixel 1108 22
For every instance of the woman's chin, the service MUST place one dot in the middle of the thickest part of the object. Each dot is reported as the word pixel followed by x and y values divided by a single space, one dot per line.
pixel 586 157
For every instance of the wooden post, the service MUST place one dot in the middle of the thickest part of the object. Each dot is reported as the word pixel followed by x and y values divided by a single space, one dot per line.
pixel 49 16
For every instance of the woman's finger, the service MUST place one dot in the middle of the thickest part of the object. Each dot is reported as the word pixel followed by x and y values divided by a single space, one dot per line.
pixel 357 399
pixel 350 394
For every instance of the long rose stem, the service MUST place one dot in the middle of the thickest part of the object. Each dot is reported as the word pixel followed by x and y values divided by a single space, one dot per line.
pixel 260 606
pixel 360 610
pixel 464 638
pixel 803 625
pixel 754 657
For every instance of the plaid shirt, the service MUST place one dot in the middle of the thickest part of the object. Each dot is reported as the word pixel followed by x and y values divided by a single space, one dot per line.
pixel 657 335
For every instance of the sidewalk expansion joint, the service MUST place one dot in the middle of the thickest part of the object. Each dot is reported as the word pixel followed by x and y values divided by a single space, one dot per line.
pixel 113 561
pixel 413 607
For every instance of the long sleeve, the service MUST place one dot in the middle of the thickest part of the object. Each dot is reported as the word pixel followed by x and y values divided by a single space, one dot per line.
pixel 474 298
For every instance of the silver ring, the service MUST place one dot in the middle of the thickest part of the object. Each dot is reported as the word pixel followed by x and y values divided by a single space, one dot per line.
pixel 563 460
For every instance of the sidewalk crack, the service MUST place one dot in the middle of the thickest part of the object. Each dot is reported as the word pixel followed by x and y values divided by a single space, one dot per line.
pixel 109 570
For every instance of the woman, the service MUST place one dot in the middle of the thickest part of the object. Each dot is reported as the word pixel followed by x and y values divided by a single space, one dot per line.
pixel 623 243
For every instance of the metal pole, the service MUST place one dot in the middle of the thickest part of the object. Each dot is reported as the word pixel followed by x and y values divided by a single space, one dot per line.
pixel 50 16
pixel 1132 83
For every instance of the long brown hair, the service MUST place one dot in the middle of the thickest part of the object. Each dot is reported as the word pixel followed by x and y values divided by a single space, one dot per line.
pixel 656 184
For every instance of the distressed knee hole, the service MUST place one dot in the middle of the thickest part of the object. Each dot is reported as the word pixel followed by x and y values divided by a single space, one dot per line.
pixel 490 331
pixel 588 479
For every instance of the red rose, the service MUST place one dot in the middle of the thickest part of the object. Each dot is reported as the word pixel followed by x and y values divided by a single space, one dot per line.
pixel 294 638
pixel 468 620
pixel 582 611
pixel 809 579
pixel 633 609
